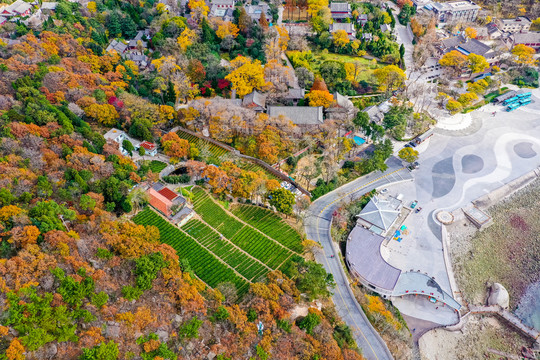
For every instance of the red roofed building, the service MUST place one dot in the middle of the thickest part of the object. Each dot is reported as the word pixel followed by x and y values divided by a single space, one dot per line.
pixel 150 148
pixel 165 200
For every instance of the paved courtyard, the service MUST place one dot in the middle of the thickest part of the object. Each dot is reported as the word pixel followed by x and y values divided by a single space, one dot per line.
pixel 455 169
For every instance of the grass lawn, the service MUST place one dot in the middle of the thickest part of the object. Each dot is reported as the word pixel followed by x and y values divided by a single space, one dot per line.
pixel 156 166
pixel 367 65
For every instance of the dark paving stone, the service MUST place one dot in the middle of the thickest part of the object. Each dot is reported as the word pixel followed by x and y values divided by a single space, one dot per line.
pixel 524 150
pixel 444 177
pixel 471 164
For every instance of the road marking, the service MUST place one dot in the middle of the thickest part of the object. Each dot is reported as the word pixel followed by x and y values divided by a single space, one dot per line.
pixel 326 259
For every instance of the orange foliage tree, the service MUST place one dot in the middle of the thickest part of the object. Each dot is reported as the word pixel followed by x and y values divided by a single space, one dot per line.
pixel 175 147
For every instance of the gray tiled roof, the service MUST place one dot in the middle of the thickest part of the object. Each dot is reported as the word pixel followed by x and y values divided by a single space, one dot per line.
pixel 299 115
pixel 381 212
pixel 296 94
pixel 340 6
pixel 475 46
pixel 348 27
pixel 527 38
pixel 364 256
pixel 254 99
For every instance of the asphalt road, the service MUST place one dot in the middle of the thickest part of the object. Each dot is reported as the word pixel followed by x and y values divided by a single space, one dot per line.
pixel 317 226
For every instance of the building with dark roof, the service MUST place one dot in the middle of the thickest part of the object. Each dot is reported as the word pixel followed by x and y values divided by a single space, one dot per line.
pixel 117 46
pixel 340 10
pixel 531 39
pixel 299 115
pixel 366 263
pixel 255 101
pixel 348 27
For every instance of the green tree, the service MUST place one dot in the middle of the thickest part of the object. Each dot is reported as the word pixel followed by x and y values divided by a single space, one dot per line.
pixel 190 329
pixel 408 154
pixel 108 351
pixel 128 146
pixel 147 269
pixel 87 203
pixel 361 120
pixel 283 200
pixel 332 72
pixel 309 322
pixel 46 215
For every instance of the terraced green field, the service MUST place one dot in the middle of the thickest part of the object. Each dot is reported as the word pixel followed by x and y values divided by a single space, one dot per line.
pixel 220 247
pixel 270 224
pixel 205 264
pixel 156 166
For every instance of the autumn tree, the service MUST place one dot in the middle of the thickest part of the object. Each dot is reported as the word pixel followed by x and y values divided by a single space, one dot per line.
pixel 524 55
pixel 390 78
pixel 217 179
pixel 246 76
pixel 227 28
pixel 319 98
pixel 175 147
pixel 186 38
pixel 199 9
pixel 471 33
pixel 455 61
pixel 341 39
pixel 477 63
pixel 408 154
pixel 105 114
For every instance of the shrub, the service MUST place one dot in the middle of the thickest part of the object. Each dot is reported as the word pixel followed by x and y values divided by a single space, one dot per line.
pixel 190 329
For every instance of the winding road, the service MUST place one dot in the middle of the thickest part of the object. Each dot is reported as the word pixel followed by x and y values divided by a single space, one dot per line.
pixel 317 225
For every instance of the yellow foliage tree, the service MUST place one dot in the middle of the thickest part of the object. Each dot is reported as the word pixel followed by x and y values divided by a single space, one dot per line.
pixel 524 55
pixel 199 9
pixel 186 38
pixel 467 98
pixel 471 33
pixel 315 5
pixel 246 76
pixel 453 106
pixel 227 28
pixel 350 71
pixel 341 39
pixel 283 37
pixel 105 114
pixel 15 351
pixel 166 112
pixel 390 78
pixel 8 211
pixel 92 6
pixel 319 98
pixel 477 63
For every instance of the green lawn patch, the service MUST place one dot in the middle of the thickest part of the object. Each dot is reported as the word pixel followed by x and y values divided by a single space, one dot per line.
pixel 157 166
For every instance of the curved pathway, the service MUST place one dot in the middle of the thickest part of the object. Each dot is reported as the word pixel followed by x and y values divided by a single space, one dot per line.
pixel 318 224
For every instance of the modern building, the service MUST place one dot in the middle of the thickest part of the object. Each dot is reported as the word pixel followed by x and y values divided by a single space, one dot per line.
pixel 493 31
pixel 531 39
pixel 340 10
pixel 455 11
pixel 379 214
pixel 222 4
pixel 520 24
pixel 366 263
pixel 348 27
pixel 307 116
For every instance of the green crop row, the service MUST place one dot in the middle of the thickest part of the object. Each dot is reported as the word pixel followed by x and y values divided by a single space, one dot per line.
pixel 245 237
pixel 205 265
pixel 270 224
pixel 248 267
pixel 156 166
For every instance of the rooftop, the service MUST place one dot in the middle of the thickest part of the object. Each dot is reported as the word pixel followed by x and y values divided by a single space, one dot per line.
pixel 527 38
pixel 380 213
pixel 364 257
pixel 340 7
pixel 299 115
pixel 254 99
pixel 519 19
pixel 348 27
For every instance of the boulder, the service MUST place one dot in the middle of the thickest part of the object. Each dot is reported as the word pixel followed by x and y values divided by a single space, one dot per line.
pixel 112 330
pixel 498 295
